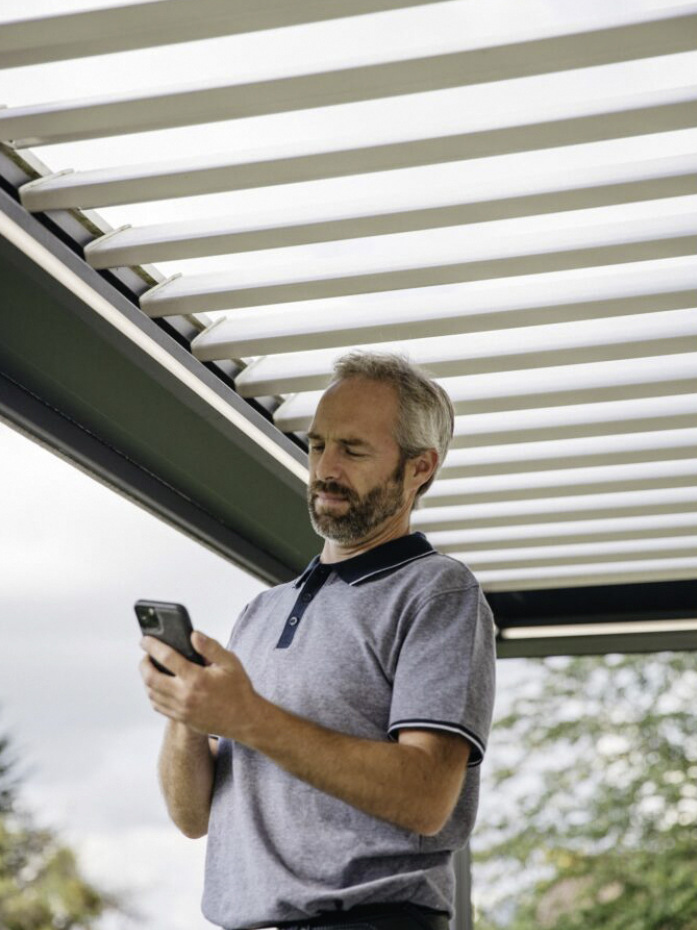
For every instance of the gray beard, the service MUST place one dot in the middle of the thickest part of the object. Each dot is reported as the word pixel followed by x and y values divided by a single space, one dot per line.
pixel 364 514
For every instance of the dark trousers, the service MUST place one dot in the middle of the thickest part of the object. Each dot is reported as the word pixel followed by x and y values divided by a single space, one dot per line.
pixel 376 917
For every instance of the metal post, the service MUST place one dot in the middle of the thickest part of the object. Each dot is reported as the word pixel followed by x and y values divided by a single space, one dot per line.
pixel 462 918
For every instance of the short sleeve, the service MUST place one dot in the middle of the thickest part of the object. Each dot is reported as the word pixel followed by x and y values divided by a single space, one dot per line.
pixel 445 673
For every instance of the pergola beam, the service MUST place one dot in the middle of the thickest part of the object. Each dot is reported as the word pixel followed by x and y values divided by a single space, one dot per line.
pixel 670 525
pixel 624 117
pixel 357 82
pixel 595 186
pixel 600 420
pixel 606 573
pixel 557 510
pixel 164 22
pixel 597 382
pixel 579 553
pixel 479 306
pixel 562 483
pixel 518 458
pixel 519 253
pixel 670 333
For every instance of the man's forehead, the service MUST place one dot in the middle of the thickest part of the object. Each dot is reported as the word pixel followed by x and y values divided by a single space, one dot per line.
pixel 341 435
pixel 357 401
pixel 360 391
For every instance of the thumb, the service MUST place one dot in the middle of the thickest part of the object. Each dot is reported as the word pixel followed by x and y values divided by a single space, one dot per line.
pixel 209 648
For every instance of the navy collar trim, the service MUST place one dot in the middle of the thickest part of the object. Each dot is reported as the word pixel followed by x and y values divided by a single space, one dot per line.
pixel 377 561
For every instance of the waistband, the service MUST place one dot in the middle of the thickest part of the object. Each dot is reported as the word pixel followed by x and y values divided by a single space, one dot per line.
pixel 393 916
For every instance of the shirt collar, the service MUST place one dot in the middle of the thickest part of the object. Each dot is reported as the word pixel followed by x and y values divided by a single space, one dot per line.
pixel 376 561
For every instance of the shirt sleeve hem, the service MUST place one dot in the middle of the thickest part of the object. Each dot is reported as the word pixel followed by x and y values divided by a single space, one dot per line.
pixel 478 745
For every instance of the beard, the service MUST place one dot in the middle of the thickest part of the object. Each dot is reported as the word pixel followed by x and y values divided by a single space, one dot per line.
pixel 364 513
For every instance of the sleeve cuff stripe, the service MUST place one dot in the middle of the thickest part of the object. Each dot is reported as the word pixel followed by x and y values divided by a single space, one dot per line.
pixel 479 746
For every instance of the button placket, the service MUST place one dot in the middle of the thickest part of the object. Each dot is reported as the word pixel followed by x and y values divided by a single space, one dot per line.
pixel 313 583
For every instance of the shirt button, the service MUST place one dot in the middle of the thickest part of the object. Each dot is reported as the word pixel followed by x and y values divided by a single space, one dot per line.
pixel 293 621
pixel 307 597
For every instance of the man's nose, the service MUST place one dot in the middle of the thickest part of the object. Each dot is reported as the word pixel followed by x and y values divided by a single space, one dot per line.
pixel 328 465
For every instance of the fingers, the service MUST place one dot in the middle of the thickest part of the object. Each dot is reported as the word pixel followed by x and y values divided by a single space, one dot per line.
pixel 162 689
pixel 210 649
pixel 165 655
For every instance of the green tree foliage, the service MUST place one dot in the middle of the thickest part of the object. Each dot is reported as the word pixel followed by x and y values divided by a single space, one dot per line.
pixel 594 816
pixel 41 887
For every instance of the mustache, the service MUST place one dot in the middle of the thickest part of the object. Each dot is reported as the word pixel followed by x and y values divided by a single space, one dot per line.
pixel 333 487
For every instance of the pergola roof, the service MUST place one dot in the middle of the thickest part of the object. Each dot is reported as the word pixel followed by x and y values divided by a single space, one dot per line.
pixel 507 196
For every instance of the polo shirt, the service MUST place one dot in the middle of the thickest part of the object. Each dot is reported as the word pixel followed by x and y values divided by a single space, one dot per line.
pixel 398 636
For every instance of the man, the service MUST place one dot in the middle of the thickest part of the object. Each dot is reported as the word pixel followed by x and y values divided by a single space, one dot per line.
pixel 353 705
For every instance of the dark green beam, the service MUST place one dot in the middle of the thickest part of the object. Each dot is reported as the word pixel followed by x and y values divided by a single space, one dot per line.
pixel 84 388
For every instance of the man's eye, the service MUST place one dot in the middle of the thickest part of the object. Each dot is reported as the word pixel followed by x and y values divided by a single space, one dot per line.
pixel 315 448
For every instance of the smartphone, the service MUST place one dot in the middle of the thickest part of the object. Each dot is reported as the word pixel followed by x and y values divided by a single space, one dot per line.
pixel 171 624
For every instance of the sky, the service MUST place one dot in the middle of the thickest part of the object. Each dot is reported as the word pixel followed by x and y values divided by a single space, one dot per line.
pixel 75 557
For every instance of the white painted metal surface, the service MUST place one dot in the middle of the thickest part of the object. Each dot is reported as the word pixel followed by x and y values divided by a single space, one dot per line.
pixel 481 251
pixel 577 531
pixel 669 333
pixel 480 306
pixel 596 382
pixel 162 22
pixel 598 420
pixel 518 458
pixel 558 509
pixel 354 81
pixel 380 215
pixel 628 115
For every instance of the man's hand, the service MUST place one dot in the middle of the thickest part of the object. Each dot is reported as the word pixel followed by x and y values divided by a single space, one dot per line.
pixel 217 698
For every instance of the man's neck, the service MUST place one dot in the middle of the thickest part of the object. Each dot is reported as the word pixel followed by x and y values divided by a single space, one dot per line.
pixel 393 528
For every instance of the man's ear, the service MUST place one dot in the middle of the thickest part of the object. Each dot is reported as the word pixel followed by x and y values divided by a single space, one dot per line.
pixel 423 466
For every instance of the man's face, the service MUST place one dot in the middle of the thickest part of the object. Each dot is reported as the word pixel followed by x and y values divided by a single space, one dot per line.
pixel 356 469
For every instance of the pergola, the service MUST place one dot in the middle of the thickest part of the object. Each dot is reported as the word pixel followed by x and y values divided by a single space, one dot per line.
pixel 510 201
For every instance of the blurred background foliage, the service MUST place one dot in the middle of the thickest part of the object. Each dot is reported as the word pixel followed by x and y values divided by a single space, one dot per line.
pixel 41 887
pixel 591 819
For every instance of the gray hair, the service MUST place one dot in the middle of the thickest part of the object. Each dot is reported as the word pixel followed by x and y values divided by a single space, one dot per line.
pixel 425 418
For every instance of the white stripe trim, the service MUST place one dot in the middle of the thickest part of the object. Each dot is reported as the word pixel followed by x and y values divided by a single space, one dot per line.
pixel 450 728
pixel 388 568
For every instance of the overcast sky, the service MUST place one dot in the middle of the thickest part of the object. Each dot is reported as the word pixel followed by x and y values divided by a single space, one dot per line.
pixel 75 557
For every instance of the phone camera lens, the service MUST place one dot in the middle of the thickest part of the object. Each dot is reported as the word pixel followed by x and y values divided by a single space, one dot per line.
pixel 149 619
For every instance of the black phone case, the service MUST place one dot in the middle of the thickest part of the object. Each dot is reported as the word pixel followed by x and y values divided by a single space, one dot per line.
pixel 175 629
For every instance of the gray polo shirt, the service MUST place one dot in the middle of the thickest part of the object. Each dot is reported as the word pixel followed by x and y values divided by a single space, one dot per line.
pixel 399 636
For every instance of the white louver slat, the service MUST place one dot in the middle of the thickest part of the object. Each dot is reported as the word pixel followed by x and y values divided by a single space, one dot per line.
pixel 584 553
pixel 557 509
pixel 553 386
pixel 655 526
pixel 576 576
pixel 146 25
pixel 596 186
pixel 476 252
pixel 360 81
pixel 488 305
pixel 590 480
pixel 599 420
pixel 630 115
pixel 511 202
pixel 674 332
pixel 669 445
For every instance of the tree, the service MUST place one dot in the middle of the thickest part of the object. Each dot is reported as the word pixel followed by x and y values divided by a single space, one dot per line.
pixel 41 887
pixel 594 816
